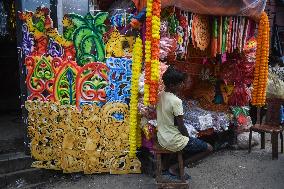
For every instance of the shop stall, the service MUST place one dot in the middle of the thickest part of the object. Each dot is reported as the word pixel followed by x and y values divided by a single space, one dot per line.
pixel 219 52
pixel 93 76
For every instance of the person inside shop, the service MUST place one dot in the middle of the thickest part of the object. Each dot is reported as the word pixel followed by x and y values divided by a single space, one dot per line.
pixel 172 133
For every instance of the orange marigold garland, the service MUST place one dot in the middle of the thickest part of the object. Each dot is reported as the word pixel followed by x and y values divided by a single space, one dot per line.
pixel 148 37
pixel 152 50
pixel 261 64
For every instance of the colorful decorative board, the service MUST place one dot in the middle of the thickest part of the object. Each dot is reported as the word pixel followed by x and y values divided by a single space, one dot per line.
pixel 72 68
pixel 77 98
pixel 119 78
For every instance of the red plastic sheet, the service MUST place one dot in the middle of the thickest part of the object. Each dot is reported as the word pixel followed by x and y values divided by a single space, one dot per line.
pixel 251 8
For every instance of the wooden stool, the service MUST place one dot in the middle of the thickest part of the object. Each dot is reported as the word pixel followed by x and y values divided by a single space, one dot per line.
pixel 161 183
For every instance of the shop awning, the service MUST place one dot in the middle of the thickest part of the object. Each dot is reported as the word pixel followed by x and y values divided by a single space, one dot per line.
pixel 251 8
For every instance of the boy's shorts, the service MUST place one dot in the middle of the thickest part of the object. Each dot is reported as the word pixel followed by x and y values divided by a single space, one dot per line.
pixel 194 146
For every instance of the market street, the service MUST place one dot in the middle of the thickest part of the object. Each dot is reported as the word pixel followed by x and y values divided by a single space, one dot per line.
pixel 125 94
pixel 222 170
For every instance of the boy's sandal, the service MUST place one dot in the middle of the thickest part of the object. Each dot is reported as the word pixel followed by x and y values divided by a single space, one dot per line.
pixel 165 172
pixel 171 176
pixel 187 176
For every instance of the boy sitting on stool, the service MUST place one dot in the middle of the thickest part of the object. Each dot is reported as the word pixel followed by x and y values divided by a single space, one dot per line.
pixel 172 134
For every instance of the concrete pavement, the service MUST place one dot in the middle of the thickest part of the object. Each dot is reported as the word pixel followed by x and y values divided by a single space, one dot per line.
pixel 226 169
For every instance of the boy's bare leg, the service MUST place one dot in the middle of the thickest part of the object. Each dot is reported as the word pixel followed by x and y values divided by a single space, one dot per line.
pixel 174 168
pixel 199 156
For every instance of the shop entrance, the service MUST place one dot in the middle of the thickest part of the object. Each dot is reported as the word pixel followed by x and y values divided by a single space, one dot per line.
pixel 11 135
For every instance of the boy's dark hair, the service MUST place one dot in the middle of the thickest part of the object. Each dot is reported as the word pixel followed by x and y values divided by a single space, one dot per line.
pixel 173 77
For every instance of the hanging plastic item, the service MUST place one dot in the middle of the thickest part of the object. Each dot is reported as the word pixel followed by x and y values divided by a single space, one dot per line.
pixel 251 8
pixel 121 18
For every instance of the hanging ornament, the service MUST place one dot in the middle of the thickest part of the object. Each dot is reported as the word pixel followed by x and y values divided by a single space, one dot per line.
pixel 152 51
pixel 261 64
pixel 182 34
pixel 201 31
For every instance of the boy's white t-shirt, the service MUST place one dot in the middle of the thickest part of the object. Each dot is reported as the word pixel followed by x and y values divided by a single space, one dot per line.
pixel 169 136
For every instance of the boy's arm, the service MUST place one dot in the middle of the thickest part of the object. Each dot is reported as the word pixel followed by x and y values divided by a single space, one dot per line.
pixel 180 124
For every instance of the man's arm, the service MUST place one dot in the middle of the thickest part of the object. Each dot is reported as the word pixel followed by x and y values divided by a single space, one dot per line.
pixel 180 124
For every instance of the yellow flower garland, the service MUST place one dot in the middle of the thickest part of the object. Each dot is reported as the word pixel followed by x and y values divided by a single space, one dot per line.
pixel 136 70
pixel 138 135
pixel 261 64
pixel 146 94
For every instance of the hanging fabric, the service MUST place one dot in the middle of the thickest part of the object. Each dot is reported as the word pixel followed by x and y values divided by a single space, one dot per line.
pixel 224 35
pixel 229 35
pixel 220 30
pixel 244 41
pixel 214 37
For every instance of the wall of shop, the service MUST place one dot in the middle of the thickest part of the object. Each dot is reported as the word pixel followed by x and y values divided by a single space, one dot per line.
pixel 276 7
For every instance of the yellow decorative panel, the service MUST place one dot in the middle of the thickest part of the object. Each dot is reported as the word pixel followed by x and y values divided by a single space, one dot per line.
pixel 92 140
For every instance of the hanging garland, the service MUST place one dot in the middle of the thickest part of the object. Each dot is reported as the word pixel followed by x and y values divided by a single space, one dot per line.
pixel 148 37
pixel 261 65
pixel 138 135
pixel 152 51
pixel 136 69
